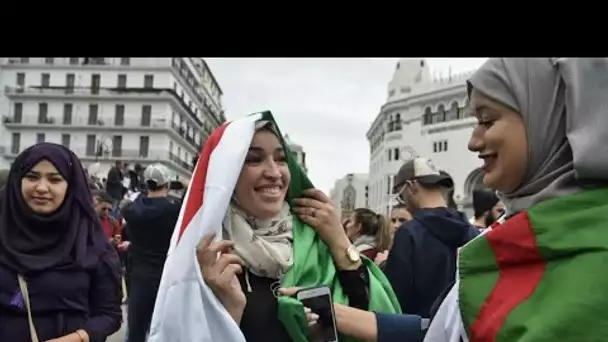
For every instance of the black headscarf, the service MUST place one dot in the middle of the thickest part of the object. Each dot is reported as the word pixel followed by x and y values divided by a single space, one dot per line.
pixel 72 236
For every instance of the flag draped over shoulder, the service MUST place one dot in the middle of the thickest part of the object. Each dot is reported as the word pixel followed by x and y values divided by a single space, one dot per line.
pixel 540 276
pixel 186 309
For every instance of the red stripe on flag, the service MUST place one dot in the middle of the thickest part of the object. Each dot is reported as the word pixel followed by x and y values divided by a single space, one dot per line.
pixel 521 267
pixel 197 185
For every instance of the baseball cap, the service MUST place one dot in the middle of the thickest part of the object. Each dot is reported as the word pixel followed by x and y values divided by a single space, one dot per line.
pixel 156 173
pixel 422 171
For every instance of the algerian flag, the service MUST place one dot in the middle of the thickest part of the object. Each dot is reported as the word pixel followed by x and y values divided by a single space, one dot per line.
pixel 186 309
pixel 541 276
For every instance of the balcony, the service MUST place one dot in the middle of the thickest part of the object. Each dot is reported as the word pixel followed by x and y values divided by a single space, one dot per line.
pixel 85 93
pixel 81 93
pixel 96 63
pixel 128 155
pixel 195 88
pixel 189 138
pixel 31 121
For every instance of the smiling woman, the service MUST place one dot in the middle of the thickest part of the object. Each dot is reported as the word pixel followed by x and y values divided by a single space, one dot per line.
pixel 43 188
pixel 55 262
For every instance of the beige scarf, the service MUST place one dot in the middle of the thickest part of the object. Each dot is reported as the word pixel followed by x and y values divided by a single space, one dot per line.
pixel 264 245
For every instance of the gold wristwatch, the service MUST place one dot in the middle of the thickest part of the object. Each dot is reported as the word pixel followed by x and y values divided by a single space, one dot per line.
pixel 353 254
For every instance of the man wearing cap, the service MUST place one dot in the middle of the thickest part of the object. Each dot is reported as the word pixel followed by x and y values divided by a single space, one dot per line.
pixel 150 221
pixel 422 260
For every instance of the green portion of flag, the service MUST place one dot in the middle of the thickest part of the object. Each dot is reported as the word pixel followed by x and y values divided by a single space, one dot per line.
pixel 313 264
pixel 478 272
pixel 569 303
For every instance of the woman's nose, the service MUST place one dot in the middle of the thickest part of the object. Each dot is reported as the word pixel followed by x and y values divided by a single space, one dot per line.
pixel 476 143
pixel 272 170
pixel 42 187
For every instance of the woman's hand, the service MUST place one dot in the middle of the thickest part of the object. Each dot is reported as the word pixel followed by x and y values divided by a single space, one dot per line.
pixel 319 212
pixel 220 274
pixel 381 257
pixel 311 317
pixel 79 336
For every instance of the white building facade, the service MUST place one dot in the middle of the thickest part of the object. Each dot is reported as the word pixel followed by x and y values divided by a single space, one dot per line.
pixel 422 117
pixel 135 110
pixel 349 193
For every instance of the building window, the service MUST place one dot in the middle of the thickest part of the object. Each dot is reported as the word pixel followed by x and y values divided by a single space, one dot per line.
pixel 70 82
pixel 453 113
pixel 25 60
pixel 117 146
pixel 427 120
pixel 440 146
pixel 149 81
pixel 65 140
pixel 93 112
pixel 20 79
pixel 175 87
pixel 144 146
pixel 146 115
pixel 91 140
pixel 397 122
pixel 40 137
pixel 122 81
pixel 125 61
pixel 119 115
pixel 45 80
pixel 18 112
pixel 67 113
pixel 74 60
pixel 95 83
pixel 49 60
pixel 15 143
pixel 396 154
pixel 390 155
pixel 43 110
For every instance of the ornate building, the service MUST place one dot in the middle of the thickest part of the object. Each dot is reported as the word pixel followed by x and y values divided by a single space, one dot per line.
pixel 349 193
pixel 422 117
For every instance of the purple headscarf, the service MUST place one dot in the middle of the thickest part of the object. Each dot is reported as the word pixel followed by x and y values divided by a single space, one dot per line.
pixel 72 236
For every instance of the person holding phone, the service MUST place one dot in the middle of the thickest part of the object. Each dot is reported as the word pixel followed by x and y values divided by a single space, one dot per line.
pixel 257 249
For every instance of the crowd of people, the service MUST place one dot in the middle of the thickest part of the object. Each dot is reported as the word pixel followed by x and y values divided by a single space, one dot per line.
pixel 226 260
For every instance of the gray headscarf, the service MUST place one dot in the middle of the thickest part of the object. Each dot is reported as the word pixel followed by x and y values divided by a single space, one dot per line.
pixel 564 106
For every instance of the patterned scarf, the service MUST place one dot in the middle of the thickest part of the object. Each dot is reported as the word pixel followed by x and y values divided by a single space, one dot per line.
pixel 264 245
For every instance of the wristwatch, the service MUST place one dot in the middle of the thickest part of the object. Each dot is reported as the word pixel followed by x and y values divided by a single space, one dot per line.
pixel 353 254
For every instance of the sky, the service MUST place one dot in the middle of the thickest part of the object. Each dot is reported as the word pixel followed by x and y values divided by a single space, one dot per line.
pixel 324 104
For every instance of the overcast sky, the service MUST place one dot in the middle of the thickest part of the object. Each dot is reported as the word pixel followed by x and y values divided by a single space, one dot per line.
pixel 325 105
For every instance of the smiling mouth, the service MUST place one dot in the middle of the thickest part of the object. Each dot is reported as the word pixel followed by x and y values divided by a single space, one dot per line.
pixel 488 160
pixel 269 190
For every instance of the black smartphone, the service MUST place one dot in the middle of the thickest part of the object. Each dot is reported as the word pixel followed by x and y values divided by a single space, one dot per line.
pixel 318 300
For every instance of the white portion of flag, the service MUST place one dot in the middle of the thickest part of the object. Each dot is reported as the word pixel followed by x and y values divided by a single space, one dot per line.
pixel 186 309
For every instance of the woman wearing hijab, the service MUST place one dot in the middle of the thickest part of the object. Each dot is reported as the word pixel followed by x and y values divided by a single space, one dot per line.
pixel 59 276
pixel 539 275
pixel 278 232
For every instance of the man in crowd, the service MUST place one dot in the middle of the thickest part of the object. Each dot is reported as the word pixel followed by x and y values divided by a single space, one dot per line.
pixel 114 185
pixel 150 221
pixel 422 260
pixel 487 208
pixel 103 207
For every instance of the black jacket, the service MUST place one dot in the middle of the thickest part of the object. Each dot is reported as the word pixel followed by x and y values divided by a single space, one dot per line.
pixel 422 260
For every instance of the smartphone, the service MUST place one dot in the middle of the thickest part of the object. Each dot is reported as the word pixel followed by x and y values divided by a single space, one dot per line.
pixel 318 300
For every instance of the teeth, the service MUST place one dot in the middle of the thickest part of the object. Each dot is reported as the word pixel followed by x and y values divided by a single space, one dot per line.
pixel 271 191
